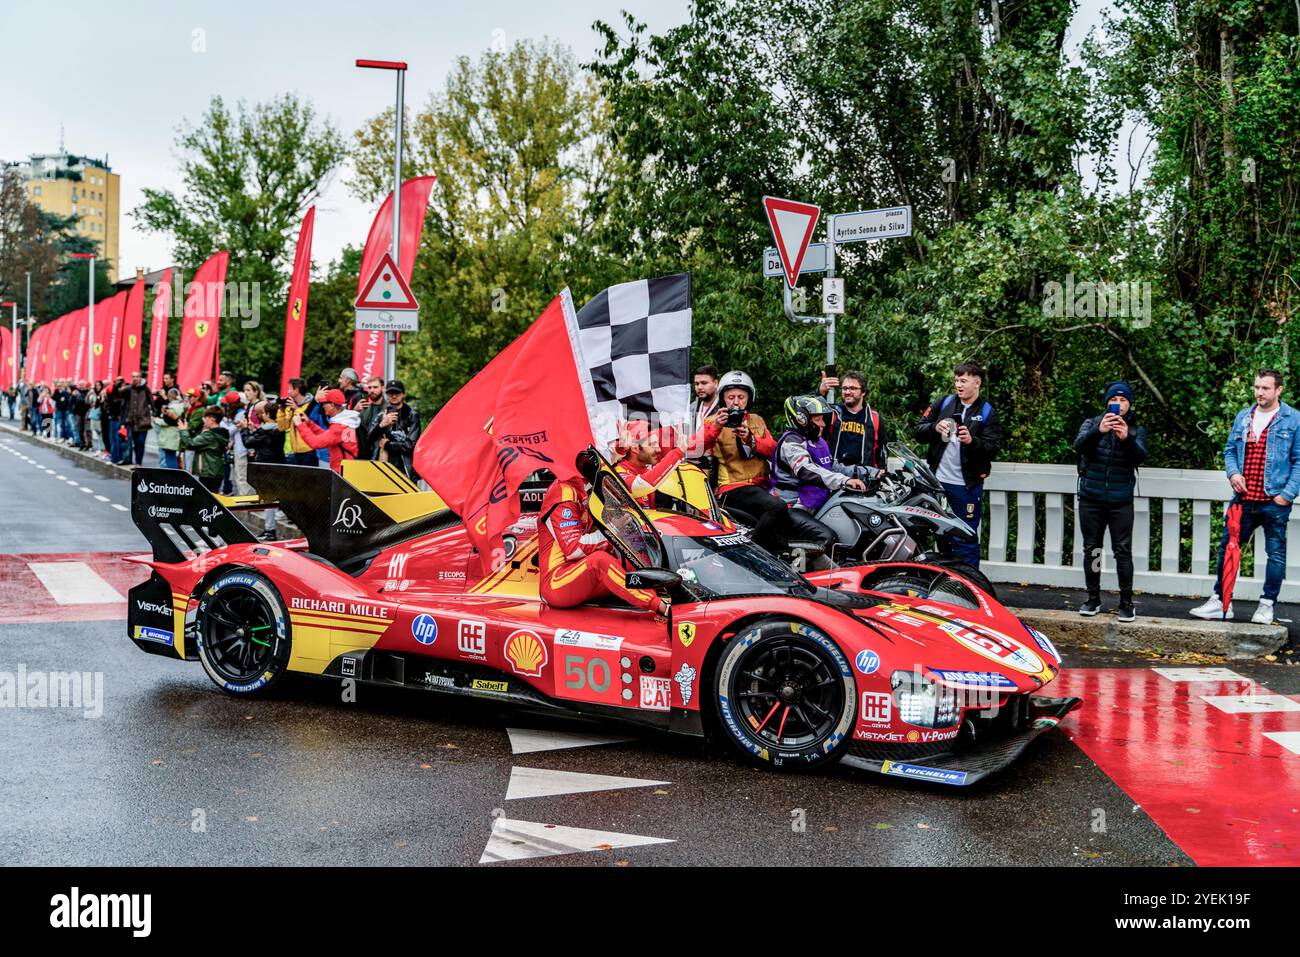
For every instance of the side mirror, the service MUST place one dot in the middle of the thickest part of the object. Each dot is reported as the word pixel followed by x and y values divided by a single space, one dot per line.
pixel 653 578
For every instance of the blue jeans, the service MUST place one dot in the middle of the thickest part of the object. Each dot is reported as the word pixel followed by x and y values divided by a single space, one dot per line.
pixel 303 458
pixel 137 445
pixel 968 503
pixel 1272 518
pixel 169 460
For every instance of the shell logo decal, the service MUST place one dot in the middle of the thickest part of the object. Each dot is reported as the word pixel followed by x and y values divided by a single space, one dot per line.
pixel 526 653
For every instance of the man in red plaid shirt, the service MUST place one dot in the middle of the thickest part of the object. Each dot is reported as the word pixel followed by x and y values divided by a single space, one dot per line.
pixel 1262 459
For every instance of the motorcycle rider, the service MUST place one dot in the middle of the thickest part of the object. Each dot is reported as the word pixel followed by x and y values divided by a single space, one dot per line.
pixel 642 463
pixel 803 471
pixel 575 559
pixel 857 434
pixel 741 445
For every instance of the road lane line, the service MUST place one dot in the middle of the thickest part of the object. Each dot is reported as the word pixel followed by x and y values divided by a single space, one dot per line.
pixel 542 782
pixel 120 508
pixel 101 498
pixel 74 583
pixel 528 740
pixel 520 840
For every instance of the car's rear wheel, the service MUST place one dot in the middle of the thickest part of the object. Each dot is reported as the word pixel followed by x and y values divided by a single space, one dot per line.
pixel 929 583
pixel 243 633
pixel 785 695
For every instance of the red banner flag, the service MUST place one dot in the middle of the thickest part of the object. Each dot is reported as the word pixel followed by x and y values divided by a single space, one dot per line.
pixel 80 351
pixel 63 346
pixel 8 361
pixel 487 439
pixel 162 300
pixel 295 312
pixel 368 347
pixel 34 347
pixel 112 311
pixel 200 326
pixel 132 331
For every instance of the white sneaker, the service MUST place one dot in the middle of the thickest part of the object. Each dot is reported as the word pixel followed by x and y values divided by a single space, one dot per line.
pixel 1264 613
pixel 1212 610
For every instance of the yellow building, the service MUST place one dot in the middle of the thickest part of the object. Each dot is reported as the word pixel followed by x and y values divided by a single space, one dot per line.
pixel 82 188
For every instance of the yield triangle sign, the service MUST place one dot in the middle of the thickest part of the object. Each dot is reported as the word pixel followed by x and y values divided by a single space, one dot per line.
pixel 386 289
pixel 792 227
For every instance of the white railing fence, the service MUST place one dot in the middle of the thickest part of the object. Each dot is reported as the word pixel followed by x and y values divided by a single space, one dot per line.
pixel 1025 489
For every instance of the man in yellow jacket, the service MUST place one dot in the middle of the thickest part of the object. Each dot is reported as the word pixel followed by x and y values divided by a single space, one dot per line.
pixel 296 450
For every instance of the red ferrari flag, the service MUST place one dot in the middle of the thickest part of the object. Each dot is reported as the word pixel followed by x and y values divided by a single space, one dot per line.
pixel 200 325
pixel 66 343
pixel 525 410
pixel 34 346
pixel 132 331
pixel 368 347
pixel 80 352
pixel 109 316
pixel 295 313
pixel 8 361
pixel 162 300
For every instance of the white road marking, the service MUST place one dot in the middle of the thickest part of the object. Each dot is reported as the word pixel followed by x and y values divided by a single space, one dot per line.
pixel 520 840
pixel 540 782
pixel 120 508
pixel 529 740
pixel 1288 739
pixel 47 471
pixel 84 489
pixel 74 583
pixel 61 478
pixel 1199 674
pixel 101 498
pixel 1250 703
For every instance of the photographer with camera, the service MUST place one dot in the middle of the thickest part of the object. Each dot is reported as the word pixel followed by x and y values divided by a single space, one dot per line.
pixel 1111 446
pixel 964 438
pixel 394 430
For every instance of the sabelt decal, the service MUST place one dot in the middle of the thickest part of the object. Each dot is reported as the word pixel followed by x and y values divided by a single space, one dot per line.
pixel 526 653
pixel 497 687
pixel 922 773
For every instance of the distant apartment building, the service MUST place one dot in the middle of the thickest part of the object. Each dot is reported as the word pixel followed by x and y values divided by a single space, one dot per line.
pixel 85 189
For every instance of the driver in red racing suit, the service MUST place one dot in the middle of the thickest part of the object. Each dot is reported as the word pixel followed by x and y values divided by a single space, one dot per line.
pixel 575 561
pixel 644 465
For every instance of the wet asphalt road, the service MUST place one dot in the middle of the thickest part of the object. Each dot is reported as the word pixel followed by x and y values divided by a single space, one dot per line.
pixel 175 772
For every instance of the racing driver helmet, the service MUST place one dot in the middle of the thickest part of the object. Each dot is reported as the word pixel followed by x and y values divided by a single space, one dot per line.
pixel 799 412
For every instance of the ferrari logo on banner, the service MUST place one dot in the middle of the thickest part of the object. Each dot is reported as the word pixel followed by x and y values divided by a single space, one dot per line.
pixel 686 633
pixel 200 329
pixel 297 308
pixel 130 341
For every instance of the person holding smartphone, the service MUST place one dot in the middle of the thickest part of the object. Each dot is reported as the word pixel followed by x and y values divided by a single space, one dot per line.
pixel 1111 446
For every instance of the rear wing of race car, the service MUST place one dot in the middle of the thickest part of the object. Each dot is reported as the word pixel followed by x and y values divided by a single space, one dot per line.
pixel 179 517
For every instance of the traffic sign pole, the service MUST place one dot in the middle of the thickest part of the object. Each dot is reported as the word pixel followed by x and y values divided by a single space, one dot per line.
pixel 390 338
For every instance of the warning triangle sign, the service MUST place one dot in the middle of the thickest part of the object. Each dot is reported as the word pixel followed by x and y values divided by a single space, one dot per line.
pixel 386 289
pixel 792 227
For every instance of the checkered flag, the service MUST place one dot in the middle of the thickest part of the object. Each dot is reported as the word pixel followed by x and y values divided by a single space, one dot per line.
pixel 634 345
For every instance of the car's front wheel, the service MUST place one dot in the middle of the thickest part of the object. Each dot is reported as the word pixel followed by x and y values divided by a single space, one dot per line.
pixel 243 633
pixel 785 695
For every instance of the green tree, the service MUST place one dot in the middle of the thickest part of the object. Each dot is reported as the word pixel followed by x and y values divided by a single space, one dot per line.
pixel 249 176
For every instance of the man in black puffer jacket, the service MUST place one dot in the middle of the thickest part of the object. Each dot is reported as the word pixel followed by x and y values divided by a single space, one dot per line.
pixel 1111 446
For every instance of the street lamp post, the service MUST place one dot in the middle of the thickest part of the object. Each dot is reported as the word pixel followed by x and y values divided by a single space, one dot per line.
pixel 398 67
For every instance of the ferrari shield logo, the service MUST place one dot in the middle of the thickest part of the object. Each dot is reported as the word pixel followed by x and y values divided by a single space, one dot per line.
pixel 686 633
pixel 99 348
pixel 201 328
pixel 297 308
pixel 130 341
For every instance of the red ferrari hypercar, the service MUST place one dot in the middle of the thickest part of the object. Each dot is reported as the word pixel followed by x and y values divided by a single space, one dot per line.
pixel 904 669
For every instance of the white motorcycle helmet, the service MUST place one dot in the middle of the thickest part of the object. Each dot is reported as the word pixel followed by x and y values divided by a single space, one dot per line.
pixel 735 379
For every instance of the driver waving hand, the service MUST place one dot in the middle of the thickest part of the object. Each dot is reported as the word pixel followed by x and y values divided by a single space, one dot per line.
pixel 576 563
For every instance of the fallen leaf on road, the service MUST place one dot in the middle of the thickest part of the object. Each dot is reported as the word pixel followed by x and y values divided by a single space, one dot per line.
pixel 924 827
pixel 425 767
pixel 399 844
pixel 603 847
pixel 451 747
pixel 620 863
pixel 252 818
pixel 884 827
pixel 157 762
pixel 830 828
pixel 660 791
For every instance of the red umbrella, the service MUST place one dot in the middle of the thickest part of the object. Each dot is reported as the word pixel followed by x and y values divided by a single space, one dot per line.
pixel 1231 555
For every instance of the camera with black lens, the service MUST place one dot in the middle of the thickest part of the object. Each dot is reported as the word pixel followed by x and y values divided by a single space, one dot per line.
pixel 735 417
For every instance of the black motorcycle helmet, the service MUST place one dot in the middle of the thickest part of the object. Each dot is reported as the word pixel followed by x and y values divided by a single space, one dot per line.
pixel 799 410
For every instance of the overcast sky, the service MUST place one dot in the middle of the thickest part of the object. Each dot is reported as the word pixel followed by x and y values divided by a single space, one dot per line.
pixel 119 78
